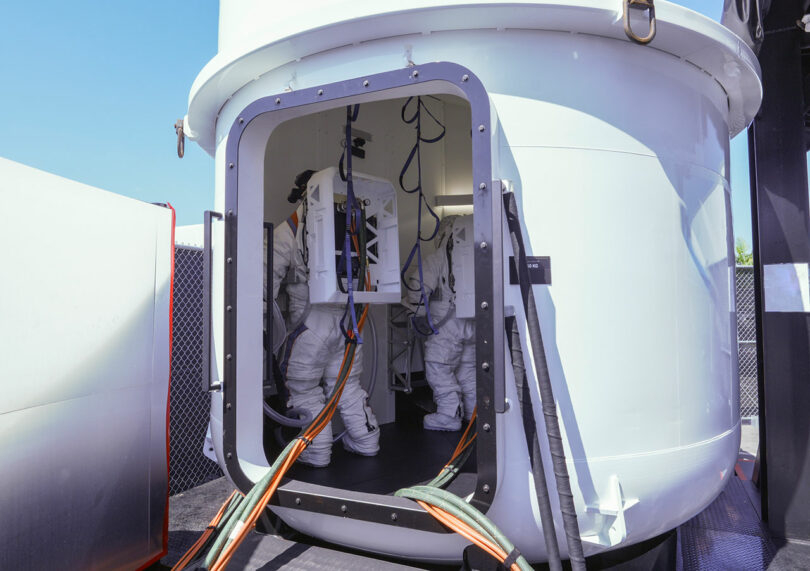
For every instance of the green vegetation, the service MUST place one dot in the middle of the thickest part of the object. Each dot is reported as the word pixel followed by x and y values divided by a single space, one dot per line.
pixel 743 253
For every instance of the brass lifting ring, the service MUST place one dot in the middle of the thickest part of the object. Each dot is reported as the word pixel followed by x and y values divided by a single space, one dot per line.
pixel 639 5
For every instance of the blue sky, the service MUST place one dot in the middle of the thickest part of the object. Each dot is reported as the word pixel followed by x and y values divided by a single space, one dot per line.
pixel 91 90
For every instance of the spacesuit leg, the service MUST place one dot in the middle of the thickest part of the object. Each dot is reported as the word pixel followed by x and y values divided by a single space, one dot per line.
pixel 362 431
pixel 442 354
pixel 303 367
pixel 465 371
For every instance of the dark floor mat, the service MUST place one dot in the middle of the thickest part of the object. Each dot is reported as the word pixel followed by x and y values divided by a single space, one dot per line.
pixel 727 535
pixel 408 455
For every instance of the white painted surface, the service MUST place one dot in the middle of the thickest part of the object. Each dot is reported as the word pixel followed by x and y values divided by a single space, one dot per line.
pixel 619 159
pixel 787 288
pixel 379 198
pixel 190 236
pixel 84 374
pixel 256 37
pixel 464 266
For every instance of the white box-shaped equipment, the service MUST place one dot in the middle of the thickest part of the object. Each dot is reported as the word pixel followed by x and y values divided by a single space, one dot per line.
pixel 85 349
pixel 464 266
pixel 379 199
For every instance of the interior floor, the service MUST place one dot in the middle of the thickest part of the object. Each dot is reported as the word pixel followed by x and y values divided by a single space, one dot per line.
pixel 408 455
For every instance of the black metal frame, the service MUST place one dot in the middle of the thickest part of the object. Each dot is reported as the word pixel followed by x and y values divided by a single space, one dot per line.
pixel 488 272
pixel 208 218
pixel 779 214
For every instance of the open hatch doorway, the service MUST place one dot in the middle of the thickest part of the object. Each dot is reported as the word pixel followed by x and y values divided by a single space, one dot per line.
pixel 264 147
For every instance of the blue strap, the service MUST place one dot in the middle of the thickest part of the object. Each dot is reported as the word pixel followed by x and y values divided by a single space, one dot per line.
pixel 293 226
pixel 285 362
pixel 351 208
pixel 416 251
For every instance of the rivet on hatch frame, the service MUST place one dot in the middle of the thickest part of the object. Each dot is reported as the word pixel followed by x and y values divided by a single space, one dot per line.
pixel 482 186
pixel 230 165
pixel 343 508
pixel 485 366
pixel 465 78
pixel 229 260
pixel 484 245
pixel 394 516
pixel 229 308
pixel 365 83
pixel 278 100
pixel 481 128
pixel 228 406
pixel 228 455
pixel 228 357
pixel 486 488
pixel 484 305
pixel 415 73
pixel 230 212
pixel 487 427
pixel 241 120
pixel 320 92
pixel 298 501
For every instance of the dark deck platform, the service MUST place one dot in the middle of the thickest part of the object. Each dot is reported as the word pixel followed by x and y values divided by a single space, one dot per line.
pixel 727 535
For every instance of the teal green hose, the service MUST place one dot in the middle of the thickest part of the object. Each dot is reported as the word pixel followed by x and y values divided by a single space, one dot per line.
pixel 240 510
pixel 440 503
pixel 449 472
pixel 460 509
pixel 476 515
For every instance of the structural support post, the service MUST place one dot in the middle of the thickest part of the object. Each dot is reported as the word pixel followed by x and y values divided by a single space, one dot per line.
pixel 779 210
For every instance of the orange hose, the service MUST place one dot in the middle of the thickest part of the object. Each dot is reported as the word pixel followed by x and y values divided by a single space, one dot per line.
pixel 189 555
pixel 257 510
pixel 323 418
pixel 468 533
pixel 459 447
pixel 462 445
pixel 465 531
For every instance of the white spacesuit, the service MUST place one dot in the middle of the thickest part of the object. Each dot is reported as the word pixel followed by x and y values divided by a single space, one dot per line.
pixel 449 354
pixel 314 352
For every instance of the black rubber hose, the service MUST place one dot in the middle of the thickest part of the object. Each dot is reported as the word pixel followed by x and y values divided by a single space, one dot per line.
pixel 569 513
pixel 533 444
pixel 288 419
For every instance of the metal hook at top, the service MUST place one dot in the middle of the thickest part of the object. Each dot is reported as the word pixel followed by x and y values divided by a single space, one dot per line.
pixel 181 138
pixel 639 5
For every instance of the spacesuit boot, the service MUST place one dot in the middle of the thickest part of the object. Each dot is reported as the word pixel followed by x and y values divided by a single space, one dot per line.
pixel 468 398
pixel 448 411
pixel 366 445
pixel 362 431
pixel 465 372
pixel 308 395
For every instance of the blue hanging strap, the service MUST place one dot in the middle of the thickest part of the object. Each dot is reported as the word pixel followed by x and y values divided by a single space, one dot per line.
pixel 416 251
pixel 351 208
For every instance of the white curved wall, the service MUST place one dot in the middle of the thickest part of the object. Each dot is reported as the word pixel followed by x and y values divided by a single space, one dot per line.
pixel 619 157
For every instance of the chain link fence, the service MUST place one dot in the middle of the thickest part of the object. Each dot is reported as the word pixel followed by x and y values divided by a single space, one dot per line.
pixel 190 404
pixel 747 342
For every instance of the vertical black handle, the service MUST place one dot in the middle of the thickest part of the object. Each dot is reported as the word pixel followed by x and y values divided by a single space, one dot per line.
pixel 269 342
pixel 207 267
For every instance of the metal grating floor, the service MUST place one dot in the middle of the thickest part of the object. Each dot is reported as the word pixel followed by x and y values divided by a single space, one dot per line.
pixel 727 535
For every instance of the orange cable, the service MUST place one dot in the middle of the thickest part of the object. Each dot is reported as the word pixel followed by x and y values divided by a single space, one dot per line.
pixel 322 421
pixel 188 555
pixel 462 445
pixel 467 532
pixel 463 530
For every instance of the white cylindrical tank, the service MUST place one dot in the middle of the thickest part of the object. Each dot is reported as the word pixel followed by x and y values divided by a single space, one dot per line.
pixel 619 157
